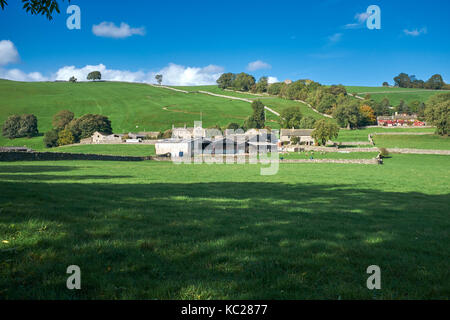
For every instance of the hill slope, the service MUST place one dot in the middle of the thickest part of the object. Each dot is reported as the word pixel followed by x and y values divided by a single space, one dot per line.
pixel 129 106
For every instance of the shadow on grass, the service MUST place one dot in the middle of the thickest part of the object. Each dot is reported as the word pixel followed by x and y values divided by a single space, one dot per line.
pixel 221 240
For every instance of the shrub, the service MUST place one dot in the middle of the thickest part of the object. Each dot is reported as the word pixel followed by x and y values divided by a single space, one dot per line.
pixel 65 137
pixel 51 138
pixel 20 126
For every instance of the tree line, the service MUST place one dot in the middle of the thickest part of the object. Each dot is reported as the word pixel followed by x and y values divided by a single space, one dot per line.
pixel 403 80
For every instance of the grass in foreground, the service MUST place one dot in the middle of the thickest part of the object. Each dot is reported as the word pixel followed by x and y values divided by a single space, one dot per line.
pixel 363 134
pixel 157 230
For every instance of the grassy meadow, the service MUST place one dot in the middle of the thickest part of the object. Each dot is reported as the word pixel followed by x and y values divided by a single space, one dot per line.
pixel 153 230
pixel 413 142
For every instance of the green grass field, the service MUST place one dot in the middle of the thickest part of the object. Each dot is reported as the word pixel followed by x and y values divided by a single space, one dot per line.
pixel 329 155
pixel 363 134
pixel 394 94
pixel 413 142
pixel 108 149
pixel 153 230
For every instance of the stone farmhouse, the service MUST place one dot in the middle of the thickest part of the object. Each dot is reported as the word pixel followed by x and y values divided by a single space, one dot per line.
pixel 303 134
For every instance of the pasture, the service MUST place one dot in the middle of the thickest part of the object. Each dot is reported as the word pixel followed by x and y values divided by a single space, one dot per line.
pixel 153 230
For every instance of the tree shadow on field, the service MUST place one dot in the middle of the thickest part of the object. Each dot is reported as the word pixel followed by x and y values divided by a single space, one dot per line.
pixel 221 240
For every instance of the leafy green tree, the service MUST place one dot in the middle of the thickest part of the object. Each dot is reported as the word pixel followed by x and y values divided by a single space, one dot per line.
pixel 435 82
pixel 403 108
pixel 226 80
pixel 337 90
pixel 11 127
pixel 28 126
pixel 36 7
pixel 94 75
pixel 290 118
pixel 402 81
pixel 385 84
pixel 62 119
pixel 262 85
pixel 324 131
pixel 65 137
pixel 20 126
pixel 73 79
pixel 437 112
pixel 51 138
pixel 90 123
pixel 258 114
pixel 307 123
pixel 275 88
pixel 348 114
pixel 159 78
pixel 243 81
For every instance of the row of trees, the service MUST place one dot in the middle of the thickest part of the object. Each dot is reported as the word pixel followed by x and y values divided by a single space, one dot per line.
pixel 67 129
pixel 20 126
pixel 435 82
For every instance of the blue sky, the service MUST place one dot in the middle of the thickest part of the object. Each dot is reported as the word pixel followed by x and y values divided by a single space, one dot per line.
pixel 192 42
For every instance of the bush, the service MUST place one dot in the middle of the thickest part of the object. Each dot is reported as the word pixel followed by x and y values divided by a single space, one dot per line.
pixel 20 126
pixel 51 138
pixel 65 137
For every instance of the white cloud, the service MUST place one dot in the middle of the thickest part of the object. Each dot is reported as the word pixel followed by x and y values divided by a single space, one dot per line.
pixel 110 30
pixel 335 38
pixel 8 52
pixel 66 72
pixel 257 65
pixel 18 75
pixel 360 19
pixel 415 32
pixel 272 80
pixel 178 75
pixel 173 74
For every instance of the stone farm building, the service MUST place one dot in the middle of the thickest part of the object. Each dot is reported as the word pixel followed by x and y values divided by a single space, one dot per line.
pixel 303 134
pixel 101 138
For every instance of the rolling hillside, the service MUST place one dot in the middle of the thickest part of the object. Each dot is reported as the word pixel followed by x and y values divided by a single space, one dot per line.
pixel 394 94
pixel 130 106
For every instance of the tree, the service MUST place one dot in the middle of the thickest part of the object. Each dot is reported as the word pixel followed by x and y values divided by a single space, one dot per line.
pixel 28 126
pixel 62 119
pixel 402 80
pixel 437 112
pixel 90 123
pixel 262 85
pixel 258 114
pixel 51 138
pixel 20 126
pixel 367 115
pixel 337 90
pixel 226 80
pixel 307 123
pixel 65 137
pixel 36 7
pixel 159 78
pixel 86 125
pixel 382 108
pixel 402 108
pixel 11 127
pixel 324 131
pixel 73 79
pixel 94 75
pixel 385 84
pixel 435 82
pixel 290 118
pixel 243 81
pixel 348 114
pixel 275 88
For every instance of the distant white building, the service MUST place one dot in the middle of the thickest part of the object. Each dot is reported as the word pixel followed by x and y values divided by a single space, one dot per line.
pixel 303 134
